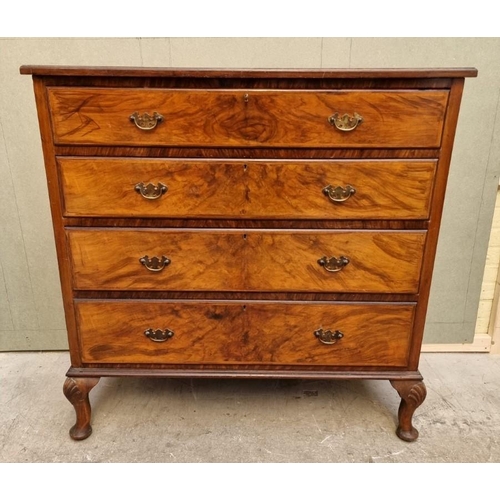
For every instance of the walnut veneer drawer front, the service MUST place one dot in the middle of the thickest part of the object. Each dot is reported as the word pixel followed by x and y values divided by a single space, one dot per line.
pixel 269 118
pixel 116 187
pixel 249 333
pixel 328 261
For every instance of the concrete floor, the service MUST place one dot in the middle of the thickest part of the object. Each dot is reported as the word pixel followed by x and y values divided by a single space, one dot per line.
pixel 146 420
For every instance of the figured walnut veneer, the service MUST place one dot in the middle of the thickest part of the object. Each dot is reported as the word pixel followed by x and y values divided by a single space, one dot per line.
pixel 220 223
pixel 257 118
pixel 247 260
pixel 229 333
pixel 96 187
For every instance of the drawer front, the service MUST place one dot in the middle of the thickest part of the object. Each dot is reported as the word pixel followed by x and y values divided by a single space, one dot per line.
pixel 388 261
pixel 250 118
pixel 249 333
pixel 197 260
pixel 225 188
pixel 252 260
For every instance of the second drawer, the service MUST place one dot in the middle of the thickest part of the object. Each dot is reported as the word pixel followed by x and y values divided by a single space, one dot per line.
pixel 247 260
pixel 285 189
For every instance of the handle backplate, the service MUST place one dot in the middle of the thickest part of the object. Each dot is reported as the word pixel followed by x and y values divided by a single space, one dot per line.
pixel 346 122
pixel 155 264
pixel 339 194
pixel 332 264
pixel 159 335
pixel 151 191
pixel 327 336
pixel 146 121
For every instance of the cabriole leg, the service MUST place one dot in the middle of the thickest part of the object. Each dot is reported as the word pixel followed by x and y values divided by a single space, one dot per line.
pixel 77 391
pixel 412 393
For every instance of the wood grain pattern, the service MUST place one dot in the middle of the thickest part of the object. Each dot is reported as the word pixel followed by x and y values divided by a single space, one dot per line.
pixel 235 73
pixel 247 260
pixel 221 188
pixel 56 212
pixel 109 260
pixel 248 82
pixel 435 221
pixel 412 393
pixel 245 153
pixel 241 223
pixel 239 371
pixel 269 118
pixel 251 333
pixel 379 261
pixel 246 295
pixel 77 391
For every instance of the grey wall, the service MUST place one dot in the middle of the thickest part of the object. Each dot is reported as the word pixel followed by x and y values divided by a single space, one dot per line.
pixel 31 314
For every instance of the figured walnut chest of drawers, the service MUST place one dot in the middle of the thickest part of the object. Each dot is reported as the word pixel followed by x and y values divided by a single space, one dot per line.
pixel 246 223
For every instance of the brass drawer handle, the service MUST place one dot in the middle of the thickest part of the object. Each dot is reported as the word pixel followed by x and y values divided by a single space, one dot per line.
pixel 159 335
pixel 150 191
pixel 146 121
pixel 155 264
pixel 332 264
pixel 327 336
pixel 339 194
pixel 345 123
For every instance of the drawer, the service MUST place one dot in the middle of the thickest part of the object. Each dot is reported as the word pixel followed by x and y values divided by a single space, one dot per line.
pixel 125 187
pixel 248 118
pixel 248 333
pixel 251 260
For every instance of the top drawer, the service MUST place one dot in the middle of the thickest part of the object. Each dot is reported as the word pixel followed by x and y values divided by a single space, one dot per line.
pixel 248 118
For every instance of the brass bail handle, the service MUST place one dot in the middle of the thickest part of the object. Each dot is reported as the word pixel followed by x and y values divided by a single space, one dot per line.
pixel 159 335
pixel 339 194
pixel 346 122
pixel 327 336
pixel 151 191
pixel 155 264
pixel 332 264
pixel 146 121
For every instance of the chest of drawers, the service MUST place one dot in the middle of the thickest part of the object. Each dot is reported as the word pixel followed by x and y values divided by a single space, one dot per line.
pixel 246 223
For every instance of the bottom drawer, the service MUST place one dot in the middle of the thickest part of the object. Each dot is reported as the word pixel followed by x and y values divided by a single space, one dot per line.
pixel 216 332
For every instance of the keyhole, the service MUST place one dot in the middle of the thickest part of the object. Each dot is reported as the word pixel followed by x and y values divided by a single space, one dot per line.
pixel 245 166
pixel 244 236
pixel 245 98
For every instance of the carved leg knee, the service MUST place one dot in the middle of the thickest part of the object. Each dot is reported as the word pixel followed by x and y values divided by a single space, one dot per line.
pixel 77 391
pixel 412 393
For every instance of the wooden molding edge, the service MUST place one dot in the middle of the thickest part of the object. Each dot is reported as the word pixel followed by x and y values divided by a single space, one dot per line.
pixel 481 343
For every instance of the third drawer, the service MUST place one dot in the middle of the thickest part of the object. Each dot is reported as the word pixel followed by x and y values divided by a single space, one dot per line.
pixel 247 260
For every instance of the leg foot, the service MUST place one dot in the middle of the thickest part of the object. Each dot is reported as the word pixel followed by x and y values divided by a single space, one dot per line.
pixel 412 393
pixel 77 391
